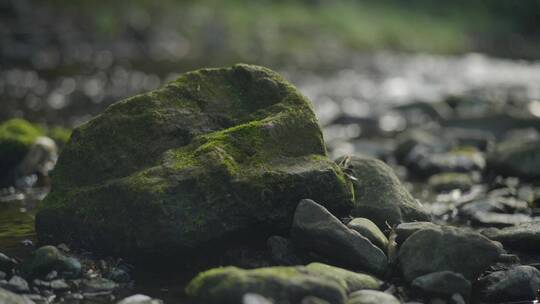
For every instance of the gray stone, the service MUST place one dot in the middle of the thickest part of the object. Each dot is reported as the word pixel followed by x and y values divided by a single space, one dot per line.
pixel 446 248
pixel 405 230
pixel 17 284
pixel 8 297
pixel 443 283
pixel 313 300
pixel 378 193
pixel 520 283
pixel 315 228
pixel 47 259
pixel 139 299
pixel 525 236
pixel 253 298
pixel 98 284
pixel 368 229
pixel 517 159
pixel 371 297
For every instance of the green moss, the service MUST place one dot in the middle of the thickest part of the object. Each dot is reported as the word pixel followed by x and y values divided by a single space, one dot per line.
pixel 60 135
pixel 16 137
pixel 281 284
pixel 209 156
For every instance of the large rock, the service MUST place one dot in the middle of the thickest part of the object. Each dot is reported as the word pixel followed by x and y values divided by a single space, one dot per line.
pixel 378 193
pixel 287 285
pixel 446 248
pixel 315 228
pixel 216 156
pixel 525 236
pixel 520 283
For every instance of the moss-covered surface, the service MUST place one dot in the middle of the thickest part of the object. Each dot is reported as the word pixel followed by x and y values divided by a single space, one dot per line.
pixel 281 284
pixel 217 154
pixel 16 137
pixel 379 195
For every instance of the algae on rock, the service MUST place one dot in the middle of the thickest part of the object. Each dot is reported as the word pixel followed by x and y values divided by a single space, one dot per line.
pixel 217 155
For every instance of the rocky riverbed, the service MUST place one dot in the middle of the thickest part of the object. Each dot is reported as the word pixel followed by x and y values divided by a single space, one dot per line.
pixel 435 201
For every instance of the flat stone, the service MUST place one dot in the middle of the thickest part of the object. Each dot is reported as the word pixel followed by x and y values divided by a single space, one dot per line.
pixel 446 248
pixel 315 228
pixel 405 230
pixel 525 236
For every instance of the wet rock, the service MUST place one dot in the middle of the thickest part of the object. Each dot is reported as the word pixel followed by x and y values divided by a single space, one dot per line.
pixel 352 281
pixel 525 236
pixel 497 211
pixel 119 275
pixel 99 285
pixel 282 251
pixel 238 147
pixel 517 159
pixel 139 299
pixel 371 297
pixel 59 285
pixel 281 284
pixel 443 283
pixel 7 264
pixel 449 181
pixel 49 258
pixel 17 284
pixel 368 229
pixel 446 248
pixel 404 230
pixel 520 283
pixel 8 297
pixel 315 228
pixel 379 195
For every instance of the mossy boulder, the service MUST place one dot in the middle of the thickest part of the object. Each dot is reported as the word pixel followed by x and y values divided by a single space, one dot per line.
pixel 280 284
pixel 379 195
pixel 214 157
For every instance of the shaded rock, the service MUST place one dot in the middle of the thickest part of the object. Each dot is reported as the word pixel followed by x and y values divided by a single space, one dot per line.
pixel 352 281
pixel 119 275
pixel 516 158
pixel 139 299
pixel 98 284
pixel 7 264
pixel 450 181
pixel 525 236
pixel 315 228
pixel 443 283
pixel 8 297
pixel 238 147
pixel 371 297
pixel 446 248
pixel 496 211
pixel 368 229
pixel 49 258
pixel 379 195
pixel 404 230
pixel 279 284
pixel 520 283
pixel 282 251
